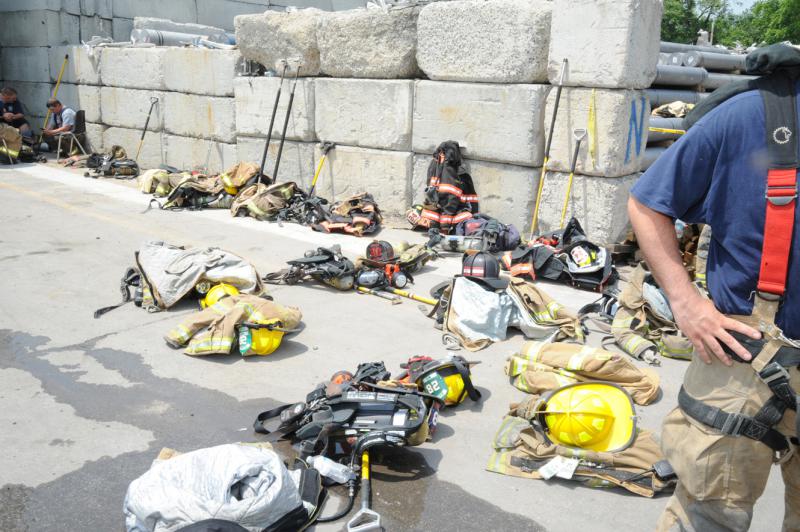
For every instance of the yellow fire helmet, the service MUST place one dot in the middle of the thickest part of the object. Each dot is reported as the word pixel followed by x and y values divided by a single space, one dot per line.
pixel 261 338
pixel 598 416
pixel 217 292
pixel 227 184
pixel 449 379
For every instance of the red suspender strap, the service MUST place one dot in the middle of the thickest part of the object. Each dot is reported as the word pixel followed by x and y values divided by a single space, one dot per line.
pixel 781 201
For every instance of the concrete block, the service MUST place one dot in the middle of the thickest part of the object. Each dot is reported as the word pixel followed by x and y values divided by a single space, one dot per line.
pixel 597 202
pixel 622 122
pixel 89 101
pixel 366 113
pixel 384 174
pixel 26 64
pixel 162 24
pixel 607 43
pixel 30 5
pixel 101 8
pixel 68 95
pixel 297 159
pixel 153 148
pixel 499 41
pixel 95 26
pixel 189 153
pixel 222 12
pixel 273 36
pixel 133 68
pixel 507 192
pixel 344 5
pixel 201 71
pixel 255 98
pixel 33 97
pixel 204 117
pixel 39 28
pixel 502 123
pixel 128 108
pixel 177 10
pixel 94 137
pixel 121 29
pixel 81 67
pixel 369 43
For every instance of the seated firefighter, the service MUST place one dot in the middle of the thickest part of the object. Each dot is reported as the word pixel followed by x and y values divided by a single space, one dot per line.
pixel 62 120
pixel 12 113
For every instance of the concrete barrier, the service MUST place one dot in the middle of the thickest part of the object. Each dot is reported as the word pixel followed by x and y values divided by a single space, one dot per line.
pixel 162 24
pixel 39 28
pixel 498 41
pixel 121 29
pixel 297 160
pixel 201 71
pixel 607 43
pixel 189 154
pixel 26 64
pixel 101 8
pixel 500 123
pixel 153 149
pixel 384 174
pixel 89 102
pixel 273 36
pixel 94 138
pixel 33 97
pixel 128 108
pixel 598 203
pixel 622 121
pixel 133 68
pixel 507 192
pixel 255 98
pixel 365 113
pixel 222 12
pixel 95 26
pixel 369 43
pixel 81 67
pixel 204 117
pixel 177 10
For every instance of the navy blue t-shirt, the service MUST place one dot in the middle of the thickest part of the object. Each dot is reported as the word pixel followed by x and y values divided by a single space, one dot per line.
pixel 717 174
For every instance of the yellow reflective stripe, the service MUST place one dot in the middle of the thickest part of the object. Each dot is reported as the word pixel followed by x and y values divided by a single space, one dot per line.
pixel 521 384
pixel 563 380
pixel 622 322
pixel 576 361
pixel 553 307
pixel 509 423
pixel 633 343
pixel 255 209
pixel 494 463
pixel 210 345
pixel 516 366
pixel 532 350
pixel 181 333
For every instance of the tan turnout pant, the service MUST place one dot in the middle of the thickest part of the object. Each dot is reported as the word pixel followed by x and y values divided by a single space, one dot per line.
pixel 721 477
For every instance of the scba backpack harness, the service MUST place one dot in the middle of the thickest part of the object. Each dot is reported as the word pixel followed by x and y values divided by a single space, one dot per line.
pixel 774 354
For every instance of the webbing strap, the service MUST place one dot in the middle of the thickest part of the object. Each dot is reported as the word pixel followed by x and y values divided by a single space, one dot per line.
pixel 781 129
pixel 778 227
pixel 757 428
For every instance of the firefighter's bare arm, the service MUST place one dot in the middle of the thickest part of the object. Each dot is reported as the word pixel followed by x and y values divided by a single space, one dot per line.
pixel 696 316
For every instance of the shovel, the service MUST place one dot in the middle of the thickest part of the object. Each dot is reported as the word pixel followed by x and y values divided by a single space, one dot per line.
pixel 366 520
pixel 578 134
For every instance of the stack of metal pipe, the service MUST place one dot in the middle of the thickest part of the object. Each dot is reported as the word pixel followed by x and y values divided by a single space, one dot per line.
pixel 686 73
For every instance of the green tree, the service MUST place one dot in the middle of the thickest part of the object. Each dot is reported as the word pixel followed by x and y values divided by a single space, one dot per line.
pixel 679 22
pixel 768 21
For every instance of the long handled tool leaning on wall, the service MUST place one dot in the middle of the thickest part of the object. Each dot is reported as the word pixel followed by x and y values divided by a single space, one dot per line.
pixel 577 134
pixel 325 148
pixel 55 96
pixel 153 102
pixel 272 120
pixel 285 125
pixel 535 220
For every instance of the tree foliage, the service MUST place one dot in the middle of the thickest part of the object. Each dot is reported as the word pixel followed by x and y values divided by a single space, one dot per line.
pixel 767 21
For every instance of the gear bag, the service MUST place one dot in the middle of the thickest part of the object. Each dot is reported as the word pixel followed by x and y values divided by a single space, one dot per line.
pixel 495 236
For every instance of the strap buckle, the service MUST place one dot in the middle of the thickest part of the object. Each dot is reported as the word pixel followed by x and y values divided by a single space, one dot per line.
pixel 781 195
pixel 733 424
pixel 773 372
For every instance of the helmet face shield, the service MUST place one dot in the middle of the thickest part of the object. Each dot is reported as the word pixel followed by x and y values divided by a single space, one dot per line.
pixel 597 416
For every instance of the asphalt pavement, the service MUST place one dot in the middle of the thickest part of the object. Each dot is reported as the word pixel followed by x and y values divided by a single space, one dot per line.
pixel 86 404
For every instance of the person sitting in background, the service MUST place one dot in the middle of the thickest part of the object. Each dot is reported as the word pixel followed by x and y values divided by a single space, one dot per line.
pixel 12 112
pixel 62 120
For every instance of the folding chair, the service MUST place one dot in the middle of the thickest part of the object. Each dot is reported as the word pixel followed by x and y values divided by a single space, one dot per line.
pixel 78 130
